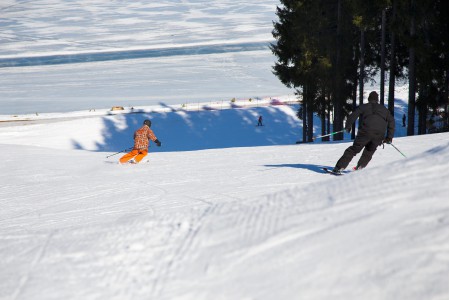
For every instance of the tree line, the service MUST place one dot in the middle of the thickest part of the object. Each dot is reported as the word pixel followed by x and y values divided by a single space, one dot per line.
pixel 327 50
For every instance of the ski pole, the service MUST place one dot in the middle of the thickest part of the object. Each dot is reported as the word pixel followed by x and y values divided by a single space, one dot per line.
pixel 398 150
pixel 321 136
pixel 127 149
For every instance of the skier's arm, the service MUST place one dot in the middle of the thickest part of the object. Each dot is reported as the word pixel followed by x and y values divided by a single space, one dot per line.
pixel 351 119
pixel 152 137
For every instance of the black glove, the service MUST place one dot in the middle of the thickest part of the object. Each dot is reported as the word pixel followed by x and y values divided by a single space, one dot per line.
pixel 387 140
pixel 158 143
pixel 348 129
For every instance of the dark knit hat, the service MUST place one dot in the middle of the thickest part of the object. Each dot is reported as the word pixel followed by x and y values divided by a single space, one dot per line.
pixel 373 97
pixel 147 122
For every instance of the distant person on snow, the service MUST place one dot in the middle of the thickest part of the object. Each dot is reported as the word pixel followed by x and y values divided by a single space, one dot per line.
pixel 259 122
pixel 374 121
pixel 142 137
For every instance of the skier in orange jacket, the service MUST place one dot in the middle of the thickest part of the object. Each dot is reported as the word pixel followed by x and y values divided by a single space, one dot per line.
pixel 142 138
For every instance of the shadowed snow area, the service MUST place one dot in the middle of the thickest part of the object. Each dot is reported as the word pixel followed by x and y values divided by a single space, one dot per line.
pixel 178 130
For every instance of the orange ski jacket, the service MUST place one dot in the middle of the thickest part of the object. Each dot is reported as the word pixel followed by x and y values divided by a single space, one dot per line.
pixel 142 136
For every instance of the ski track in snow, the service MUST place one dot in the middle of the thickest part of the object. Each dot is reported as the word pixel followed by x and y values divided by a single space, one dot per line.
pixel 171 227
pixel 102 230
pixel 260 222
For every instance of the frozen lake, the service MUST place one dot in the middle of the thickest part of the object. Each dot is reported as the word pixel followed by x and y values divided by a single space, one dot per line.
pixel 77 56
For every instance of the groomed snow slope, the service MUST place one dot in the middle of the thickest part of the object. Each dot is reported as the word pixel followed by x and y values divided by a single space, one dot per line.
pixel 253 222
pixel 237 223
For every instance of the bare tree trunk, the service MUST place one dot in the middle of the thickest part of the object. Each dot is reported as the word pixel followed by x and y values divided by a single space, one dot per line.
pixel 411 74
pixel 323 113
pixel 391 86
pixel 446 97
pixel 382 59
pixel 337 97
pixel 304 117
pixel 392 64
pixel 310 120
pixel 362 66
pixel 328 125
pixel 422 110
pixel 392 82
pixel 305 108
pixel 323 124
pixel 354 99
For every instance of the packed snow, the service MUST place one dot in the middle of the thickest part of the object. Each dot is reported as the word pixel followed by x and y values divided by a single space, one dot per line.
pixel 224 209
pixel 252 221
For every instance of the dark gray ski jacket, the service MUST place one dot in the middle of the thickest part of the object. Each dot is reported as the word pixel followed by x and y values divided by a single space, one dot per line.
pixel 374 118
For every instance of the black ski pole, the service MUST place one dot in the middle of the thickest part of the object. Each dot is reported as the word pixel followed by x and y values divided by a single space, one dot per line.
pixel 127 149
pixel 398 150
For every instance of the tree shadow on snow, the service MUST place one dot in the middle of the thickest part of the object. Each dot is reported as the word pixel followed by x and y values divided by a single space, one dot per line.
pixel 180 130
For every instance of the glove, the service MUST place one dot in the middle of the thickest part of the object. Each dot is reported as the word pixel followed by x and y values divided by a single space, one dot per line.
pixel 348 129
pixel 158 143
pixel 387 140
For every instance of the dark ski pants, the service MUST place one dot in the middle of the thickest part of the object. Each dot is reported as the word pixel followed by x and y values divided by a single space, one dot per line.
pixel 365 141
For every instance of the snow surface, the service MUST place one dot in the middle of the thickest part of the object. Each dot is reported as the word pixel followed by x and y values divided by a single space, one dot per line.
pixel 224 209
pixel 254 222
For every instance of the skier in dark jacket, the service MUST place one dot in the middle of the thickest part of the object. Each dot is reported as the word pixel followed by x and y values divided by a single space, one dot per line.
pixel 375 120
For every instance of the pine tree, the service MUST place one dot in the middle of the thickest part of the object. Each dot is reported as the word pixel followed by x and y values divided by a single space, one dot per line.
pixel 326 49
pixel 307 33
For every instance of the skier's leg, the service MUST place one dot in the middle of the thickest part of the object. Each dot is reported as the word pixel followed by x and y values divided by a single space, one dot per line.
pixel 141 155
pixel 128 156
pixel 359 142
pixel 368 153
